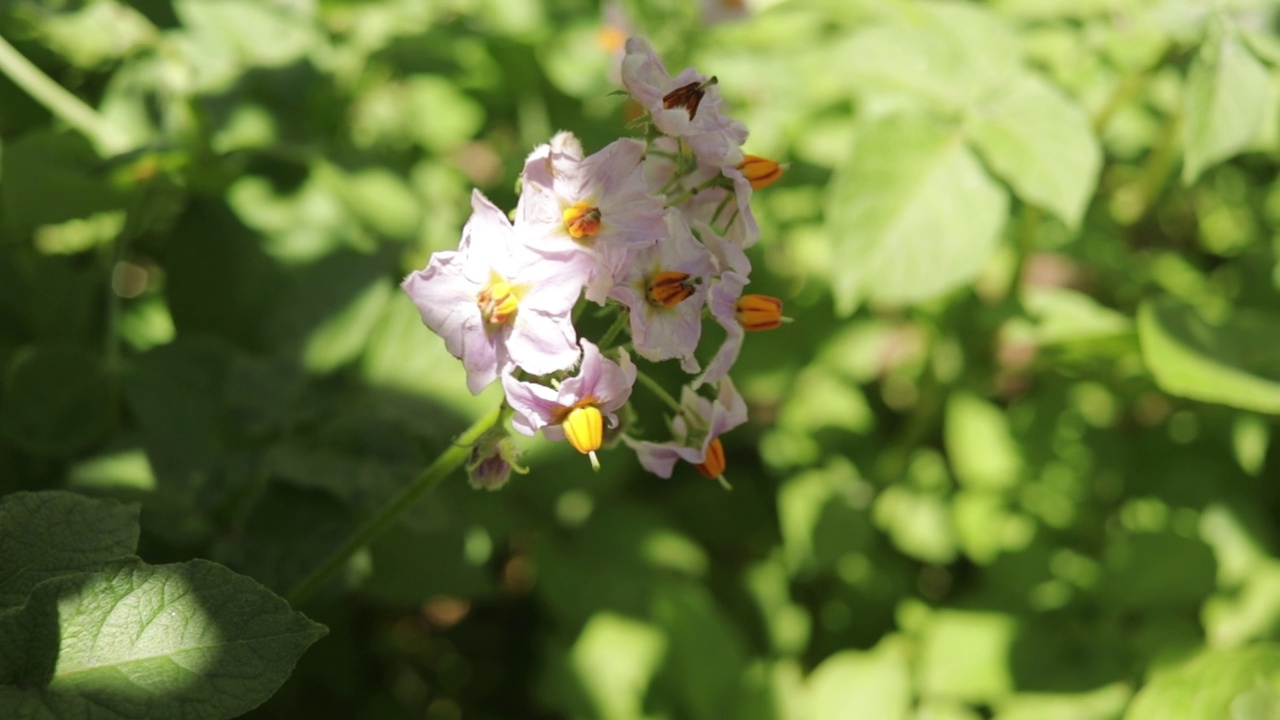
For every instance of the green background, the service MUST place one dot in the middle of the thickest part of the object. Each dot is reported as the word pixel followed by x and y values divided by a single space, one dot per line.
pixel 1011 460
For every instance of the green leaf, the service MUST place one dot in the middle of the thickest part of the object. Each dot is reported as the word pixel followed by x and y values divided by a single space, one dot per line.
pixel 1102 704
pixel 56 399
pixel 947 55
pixel 965 656
pixel 48 534
pixel 1235 361
pixel 705 656
pixel 1041 143
pixel 615 658
pixel 1159 569
pixel 1214 685
pixel 873 684
pixel 912 215
pixel 62 179
pixel 1228 97
pixel 980 445
pixel 184 641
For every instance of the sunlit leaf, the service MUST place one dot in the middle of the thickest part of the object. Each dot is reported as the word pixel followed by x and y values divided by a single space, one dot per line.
pixel 983 640
pixel 49 534
pixel 872 684
pixel 1216 684
pixel 912 215
pixel 1041 143
pixel 1228 96
pixel 1235 361
pixel 615 658
pixel 942 54
pixel 185 641
pixel 980 445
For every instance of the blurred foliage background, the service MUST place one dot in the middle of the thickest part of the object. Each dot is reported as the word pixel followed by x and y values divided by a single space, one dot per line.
pixel 1012 460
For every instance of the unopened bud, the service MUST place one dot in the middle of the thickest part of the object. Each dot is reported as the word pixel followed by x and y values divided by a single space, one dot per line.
pixel 713 464
pixel 760 172
pixel 758 312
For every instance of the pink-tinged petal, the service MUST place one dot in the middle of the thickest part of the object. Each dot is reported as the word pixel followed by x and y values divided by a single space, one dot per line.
pixel 446 300
pixel 483 357
pixel 542 344
pixel 729 410
pixel 615 385
pixel 588 378
pixel 660 458
pixel 721 300
pixel 535 406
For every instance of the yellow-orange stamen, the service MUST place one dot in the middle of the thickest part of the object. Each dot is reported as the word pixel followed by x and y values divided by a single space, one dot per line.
pixel 713 465
pixel 760 172
pixel 758 312
pixel 687 96
pixel 584 429
pixel 668 288
pixel 582 220
pixel 498 301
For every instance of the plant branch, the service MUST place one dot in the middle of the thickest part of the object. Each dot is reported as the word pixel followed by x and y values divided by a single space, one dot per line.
pixel 107 138
pixel 449 460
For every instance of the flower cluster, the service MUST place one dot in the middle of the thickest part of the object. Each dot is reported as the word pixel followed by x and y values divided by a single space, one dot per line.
pixel 652 230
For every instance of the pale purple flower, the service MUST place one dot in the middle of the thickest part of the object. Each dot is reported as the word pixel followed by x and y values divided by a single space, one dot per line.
pixel 497 304
pixel 734 269
pixel 700 421
pixel 600 382
pixel 665 290
pixel 718 196
pixel 592 212
pixel 729 211
pixel 686 106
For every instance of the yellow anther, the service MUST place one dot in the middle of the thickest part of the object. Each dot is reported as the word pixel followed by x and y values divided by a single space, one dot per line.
pixel 582 220
pixel 713 465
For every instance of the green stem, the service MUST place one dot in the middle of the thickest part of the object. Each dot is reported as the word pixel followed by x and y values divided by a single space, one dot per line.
pixel 613 330
pixel 1025 240
pixel 108 139
pixel 658 390
pixel 449 460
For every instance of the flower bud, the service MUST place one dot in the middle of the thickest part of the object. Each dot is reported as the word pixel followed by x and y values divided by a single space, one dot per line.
pixel 760 172
pixel 493 458
pixel 758 312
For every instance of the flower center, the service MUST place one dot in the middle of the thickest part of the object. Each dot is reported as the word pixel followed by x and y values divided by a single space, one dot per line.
pixel 582 220
pixel 498 300
pixel 668 288
pixel 687 96
pixel 713 465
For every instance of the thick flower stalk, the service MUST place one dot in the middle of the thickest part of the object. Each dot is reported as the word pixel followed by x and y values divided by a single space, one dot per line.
pixel 653 229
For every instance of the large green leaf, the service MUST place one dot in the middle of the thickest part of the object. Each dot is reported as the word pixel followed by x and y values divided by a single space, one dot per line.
pixel 1228 97
pixel 911 215
pixel 1041 143
pixel 47 534
pixel 191 640
pixel 945 55
pixel 1219 684
pixel 1235 361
